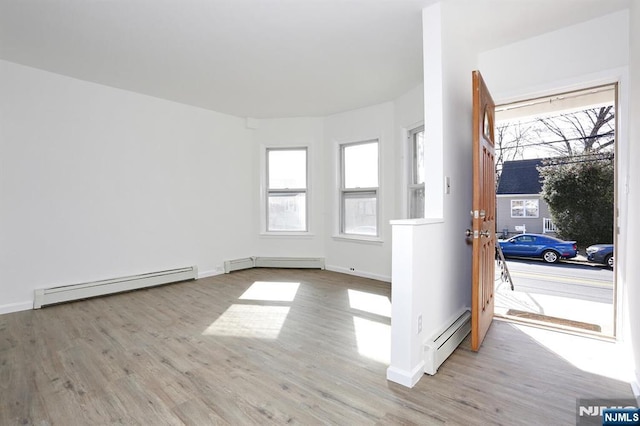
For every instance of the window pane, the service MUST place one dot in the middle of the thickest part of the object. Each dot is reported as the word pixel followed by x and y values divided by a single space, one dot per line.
pixel 287 212
pixel 360 214
pixel 418 153
pixel 287 169
pixel 361 165
pixel 416 203
pixel 517 208
pixel 531 208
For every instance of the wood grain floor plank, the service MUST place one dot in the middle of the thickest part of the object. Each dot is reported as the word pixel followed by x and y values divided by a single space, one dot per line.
pixel 212 352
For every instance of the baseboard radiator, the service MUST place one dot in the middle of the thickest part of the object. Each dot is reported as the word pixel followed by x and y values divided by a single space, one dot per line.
pixel 67 293
pixel 289 262
pixel 239 264
pixel 438 349
pixel 273 262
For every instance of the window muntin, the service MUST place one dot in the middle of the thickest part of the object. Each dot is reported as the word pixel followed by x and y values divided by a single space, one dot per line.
pixel 416 173
pixel 525 208
pixel 359 189
pixel 287 198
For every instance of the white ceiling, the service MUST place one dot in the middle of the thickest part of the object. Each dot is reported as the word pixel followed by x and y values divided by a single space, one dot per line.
pixel 259 58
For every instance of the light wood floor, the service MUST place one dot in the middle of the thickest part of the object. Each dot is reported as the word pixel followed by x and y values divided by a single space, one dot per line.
pixel 200 353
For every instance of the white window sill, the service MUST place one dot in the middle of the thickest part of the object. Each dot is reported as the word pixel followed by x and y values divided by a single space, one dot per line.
pixel 358 239
pixel 294 234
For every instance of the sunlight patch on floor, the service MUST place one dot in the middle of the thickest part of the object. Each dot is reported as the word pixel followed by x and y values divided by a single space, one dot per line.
pixel 263 322
pixel 369 302
pixel 373 339
pixel 271 291
pixel 595 356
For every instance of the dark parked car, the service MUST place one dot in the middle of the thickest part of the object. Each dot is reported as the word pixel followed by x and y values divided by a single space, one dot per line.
pixel 601 253
pixel 550 249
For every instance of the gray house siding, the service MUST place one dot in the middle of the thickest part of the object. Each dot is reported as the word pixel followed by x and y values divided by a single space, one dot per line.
pixel 504 221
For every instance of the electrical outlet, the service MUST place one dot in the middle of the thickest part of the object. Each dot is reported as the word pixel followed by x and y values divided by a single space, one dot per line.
pixel 419 323
pixel 352 269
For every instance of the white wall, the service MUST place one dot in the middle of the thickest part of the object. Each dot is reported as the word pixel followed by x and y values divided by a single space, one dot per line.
pixel 290 132
pixel 387 122
pixel 557 57
pixel 458 64
pixel 369 259
pixel 633 231
pixel 431 258
pixel 449 270
pixel 448 91
pixel 98 183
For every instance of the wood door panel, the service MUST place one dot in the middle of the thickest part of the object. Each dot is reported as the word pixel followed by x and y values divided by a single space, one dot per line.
pixel 484 210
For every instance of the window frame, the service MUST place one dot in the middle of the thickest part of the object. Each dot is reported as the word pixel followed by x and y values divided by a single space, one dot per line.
pixel 343 192
pixel 412 171
pixel 524 208
pixel 269 191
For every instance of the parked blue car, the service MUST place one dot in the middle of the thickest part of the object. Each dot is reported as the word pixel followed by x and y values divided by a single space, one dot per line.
pixel 601 253
pixel 549 249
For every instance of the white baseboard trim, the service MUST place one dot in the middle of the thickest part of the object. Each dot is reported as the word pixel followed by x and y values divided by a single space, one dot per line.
pixel 361 274
pixel 212 273
pixel 16 307
pixel 406 378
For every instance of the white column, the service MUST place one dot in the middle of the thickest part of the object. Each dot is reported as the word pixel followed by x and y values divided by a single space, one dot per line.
pixel 418 295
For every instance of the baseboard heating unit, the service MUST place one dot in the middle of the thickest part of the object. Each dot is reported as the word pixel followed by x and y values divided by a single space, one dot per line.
pixel 273 262
pixel 67 293
pixel 289 262
pixel 239 264
pixel 438 349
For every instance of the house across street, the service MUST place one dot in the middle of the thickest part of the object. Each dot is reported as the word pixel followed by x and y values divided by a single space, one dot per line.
pixel 520 207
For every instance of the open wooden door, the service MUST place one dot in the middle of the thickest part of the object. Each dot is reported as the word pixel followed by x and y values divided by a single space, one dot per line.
pixel 483 213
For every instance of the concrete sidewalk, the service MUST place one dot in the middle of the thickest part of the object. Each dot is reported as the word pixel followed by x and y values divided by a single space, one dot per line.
pixel 594 315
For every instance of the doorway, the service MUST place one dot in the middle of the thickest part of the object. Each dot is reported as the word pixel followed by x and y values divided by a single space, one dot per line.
pixel 555 188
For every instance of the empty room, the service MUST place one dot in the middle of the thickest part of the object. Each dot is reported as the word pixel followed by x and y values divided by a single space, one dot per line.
pixel 258 211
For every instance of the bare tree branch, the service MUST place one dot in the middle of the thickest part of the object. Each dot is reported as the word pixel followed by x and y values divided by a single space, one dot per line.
pixel 581 131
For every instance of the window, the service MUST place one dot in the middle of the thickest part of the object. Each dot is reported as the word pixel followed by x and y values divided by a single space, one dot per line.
pixel 287 190
pixel 524 208
pixel 525 239
pixel 359 189
pixel 416 173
